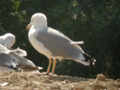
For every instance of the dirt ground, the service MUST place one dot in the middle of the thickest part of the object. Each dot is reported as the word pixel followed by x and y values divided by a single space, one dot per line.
pixel 41 81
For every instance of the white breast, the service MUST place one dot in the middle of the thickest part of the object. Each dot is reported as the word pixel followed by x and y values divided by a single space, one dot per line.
pixel 37 44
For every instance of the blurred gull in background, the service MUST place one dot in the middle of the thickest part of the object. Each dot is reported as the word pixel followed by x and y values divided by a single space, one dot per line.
pixel 13 59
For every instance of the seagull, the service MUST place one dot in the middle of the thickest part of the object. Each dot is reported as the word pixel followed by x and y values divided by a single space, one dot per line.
pixel 54 44
pixel 8 40
pixel 15 59
pixel 6 43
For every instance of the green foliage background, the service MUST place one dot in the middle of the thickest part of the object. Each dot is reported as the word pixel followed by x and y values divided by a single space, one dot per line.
pixel 97 22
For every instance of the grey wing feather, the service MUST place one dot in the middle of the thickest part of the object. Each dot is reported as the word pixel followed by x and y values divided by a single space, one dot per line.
pixel 59 44
pixel 12 59
pixel 21 60
pixel 5 60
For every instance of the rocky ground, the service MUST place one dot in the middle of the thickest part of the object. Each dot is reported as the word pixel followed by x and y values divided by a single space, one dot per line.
pixel 41 81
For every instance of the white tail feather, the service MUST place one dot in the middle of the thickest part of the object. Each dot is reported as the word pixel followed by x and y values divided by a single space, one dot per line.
pixel 76 43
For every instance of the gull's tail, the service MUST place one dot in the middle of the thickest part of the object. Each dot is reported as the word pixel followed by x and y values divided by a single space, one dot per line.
pixel 85 59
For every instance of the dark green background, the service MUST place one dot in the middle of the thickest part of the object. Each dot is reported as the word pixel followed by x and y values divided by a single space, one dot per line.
pixel 97 22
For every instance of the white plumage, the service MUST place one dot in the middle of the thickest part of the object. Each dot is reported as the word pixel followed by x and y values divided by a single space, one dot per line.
pixel 54 44
pixel 11 59
pixel 8 40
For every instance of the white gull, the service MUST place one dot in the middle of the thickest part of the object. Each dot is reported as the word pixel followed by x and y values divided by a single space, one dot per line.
pixel 54 44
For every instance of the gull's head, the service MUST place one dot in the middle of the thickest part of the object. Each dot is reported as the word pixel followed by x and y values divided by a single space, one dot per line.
pixel 9 35
pixel 9 40
pixel 38 20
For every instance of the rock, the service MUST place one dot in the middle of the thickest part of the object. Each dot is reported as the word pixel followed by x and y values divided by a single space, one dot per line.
pixel 100 77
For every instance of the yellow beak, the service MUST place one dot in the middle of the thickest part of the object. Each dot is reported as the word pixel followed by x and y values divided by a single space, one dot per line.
pixel 28 27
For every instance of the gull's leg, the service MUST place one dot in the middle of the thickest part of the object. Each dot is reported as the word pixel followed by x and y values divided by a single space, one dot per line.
pixel 54 65
pixel 49 66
